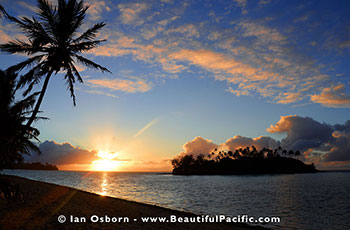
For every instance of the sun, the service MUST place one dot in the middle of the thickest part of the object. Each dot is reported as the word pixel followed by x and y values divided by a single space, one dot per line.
pixel 106 162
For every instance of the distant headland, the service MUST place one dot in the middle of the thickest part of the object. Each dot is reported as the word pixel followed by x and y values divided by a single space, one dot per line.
pixel 33 166
pixel 242 161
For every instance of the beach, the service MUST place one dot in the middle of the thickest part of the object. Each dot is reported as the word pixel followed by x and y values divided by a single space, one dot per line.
pixel 44 203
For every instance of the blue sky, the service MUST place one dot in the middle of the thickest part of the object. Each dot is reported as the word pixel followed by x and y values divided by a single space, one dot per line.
pixel 214 69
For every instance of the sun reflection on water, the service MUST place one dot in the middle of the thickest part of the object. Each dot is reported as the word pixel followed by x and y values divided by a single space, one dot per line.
pixel 104 184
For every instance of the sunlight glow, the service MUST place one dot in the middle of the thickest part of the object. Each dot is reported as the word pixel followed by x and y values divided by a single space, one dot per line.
pixel 106 162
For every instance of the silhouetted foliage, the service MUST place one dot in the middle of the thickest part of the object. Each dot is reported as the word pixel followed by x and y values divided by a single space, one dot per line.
pixel 15 136
pixel 53 45
pixel 10 191
pixel 1 10
pixel 241 161
pixel 34 166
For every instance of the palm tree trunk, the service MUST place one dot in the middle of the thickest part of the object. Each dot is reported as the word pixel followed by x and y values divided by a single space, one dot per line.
pixel 40 99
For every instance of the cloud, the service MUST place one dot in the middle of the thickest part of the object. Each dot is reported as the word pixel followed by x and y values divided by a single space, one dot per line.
pixel 129 86
pixel 162 165
pixel 259 142
pixel 334 97
pixel 69 157
pixel 151 31
pixel 167 1
pixel 238 92
pixel 62 153
pixel 246 77
pixel 198 145
pixel 302 132
pixel 130 13
pixel 288 97
pixel 27 6
pixel 264 2
pixel 7 31
pixel 344 44
pixel 302 18
pixel 187 30
pixel 264 33
pixel 219 62
pixel 313 43
pixel 251 56
pixel 320 141
pixel 155 53
pixel 243 5
pixel 340 150
pixel 96 9
pixel 213 36
pixel 99 92
pixel 4 37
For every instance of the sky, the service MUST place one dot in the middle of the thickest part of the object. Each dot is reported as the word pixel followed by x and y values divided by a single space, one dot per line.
pixel 191 76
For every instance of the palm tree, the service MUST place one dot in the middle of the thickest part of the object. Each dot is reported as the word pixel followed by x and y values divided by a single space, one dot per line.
pixel 15 136
pixel 290 152
pixel 284 152
pixel 53 46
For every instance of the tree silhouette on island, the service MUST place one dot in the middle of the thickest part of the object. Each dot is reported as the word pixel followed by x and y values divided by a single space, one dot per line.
pixel 242 161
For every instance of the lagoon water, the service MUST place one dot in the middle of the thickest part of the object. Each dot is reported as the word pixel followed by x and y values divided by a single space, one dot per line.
pixel 302 201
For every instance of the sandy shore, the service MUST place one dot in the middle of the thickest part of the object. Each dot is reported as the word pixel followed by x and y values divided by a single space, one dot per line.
pixel 44 202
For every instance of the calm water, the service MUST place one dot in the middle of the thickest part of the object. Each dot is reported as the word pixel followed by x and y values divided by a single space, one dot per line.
pixel 304 201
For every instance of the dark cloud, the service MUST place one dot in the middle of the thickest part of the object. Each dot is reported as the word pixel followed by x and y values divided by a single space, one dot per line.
pixel 325 141
pixel 302 132
pixel 62 153
pixel 340 148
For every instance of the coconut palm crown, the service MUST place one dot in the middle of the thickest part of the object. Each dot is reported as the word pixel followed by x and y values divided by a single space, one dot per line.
pixel 53 45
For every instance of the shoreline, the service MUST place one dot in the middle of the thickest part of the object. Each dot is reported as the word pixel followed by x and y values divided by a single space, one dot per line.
pixel 45 202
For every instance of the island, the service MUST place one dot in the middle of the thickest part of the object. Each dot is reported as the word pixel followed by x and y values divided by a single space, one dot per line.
pixel 242 161
pixel 33 166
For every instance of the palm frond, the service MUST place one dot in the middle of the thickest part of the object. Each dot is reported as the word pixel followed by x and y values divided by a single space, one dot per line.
pixel 26 63
pixel 31 27
pixel 70 16
pixel 76 73
pixel 18 46
pixel 41 118
pixel 24 105
pixel 34 31
pixel 48 15
pixel 85 46
pixel 90 33
pixel 70 82
pixel 30 145
pixel 91 64
pixel 33 76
